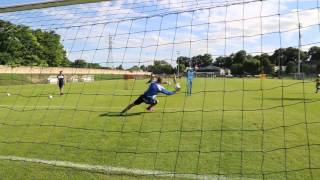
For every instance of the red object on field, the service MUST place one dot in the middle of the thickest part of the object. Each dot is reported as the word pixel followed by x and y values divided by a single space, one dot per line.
pixel 128 76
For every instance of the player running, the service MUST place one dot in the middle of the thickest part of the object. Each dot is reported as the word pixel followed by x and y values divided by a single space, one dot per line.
pixel 61 82
pixel 149 97
pixel 190 73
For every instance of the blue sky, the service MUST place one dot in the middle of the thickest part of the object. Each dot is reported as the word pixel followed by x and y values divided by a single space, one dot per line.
pixel 146 31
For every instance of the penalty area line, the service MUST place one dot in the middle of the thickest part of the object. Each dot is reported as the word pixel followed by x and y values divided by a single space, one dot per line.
pixel 112 170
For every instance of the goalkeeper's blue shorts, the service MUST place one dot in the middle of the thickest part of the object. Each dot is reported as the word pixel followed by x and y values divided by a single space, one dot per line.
pixel 145 99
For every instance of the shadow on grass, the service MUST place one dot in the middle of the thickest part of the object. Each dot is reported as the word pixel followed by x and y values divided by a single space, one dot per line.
pixel 291 99
pixel 112 114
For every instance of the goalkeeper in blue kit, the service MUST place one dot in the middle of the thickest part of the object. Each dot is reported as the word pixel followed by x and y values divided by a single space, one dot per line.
pixel 149 97
pixel 190 74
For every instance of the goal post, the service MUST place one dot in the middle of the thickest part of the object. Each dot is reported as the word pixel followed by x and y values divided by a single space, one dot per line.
pixel 232 126
pixel 52 3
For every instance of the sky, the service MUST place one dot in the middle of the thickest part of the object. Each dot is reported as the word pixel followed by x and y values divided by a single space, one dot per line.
pixel 138 32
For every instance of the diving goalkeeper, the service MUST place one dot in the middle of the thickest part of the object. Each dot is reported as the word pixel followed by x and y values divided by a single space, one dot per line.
pixel 149 97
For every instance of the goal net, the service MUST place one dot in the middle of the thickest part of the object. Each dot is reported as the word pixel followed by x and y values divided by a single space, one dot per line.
pixel 231 125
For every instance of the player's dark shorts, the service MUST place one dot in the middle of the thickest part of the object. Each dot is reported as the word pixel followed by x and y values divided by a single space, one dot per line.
pixel 144 99
pixel 61 84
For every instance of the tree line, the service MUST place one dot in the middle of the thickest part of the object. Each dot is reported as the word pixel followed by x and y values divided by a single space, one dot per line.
pixel 282 61
pixel 285 59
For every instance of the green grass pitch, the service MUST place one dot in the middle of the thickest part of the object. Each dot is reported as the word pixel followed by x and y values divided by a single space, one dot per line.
pixel 269 130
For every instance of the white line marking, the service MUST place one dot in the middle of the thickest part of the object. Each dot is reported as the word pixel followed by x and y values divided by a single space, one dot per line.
pixel 113 170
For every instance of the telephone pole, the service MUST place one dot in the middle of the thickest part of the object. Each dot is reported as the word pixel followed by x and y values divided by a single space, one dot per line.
pixel 299 58
pixel 110 51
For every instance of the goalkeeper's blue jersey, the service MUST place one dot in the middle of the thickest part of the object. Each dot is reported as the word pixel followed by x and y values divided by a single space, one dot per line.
pixel 190 74
pixel 156 88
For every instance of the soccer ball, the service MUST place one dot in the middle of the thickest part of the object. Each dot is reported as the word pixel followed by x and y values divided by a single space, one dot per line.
pixel 178 87
pixel 50 97
pixel 8 94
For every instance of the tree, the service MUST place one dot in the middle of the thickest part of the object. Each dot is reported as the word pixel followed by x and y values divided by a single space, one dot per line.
pixel 291 67
pixel 314 54
pixel 143 67
pixel 251 66
pixel 20 45
pixel 80 63
pixel 307 68
pixel 182 60
pixel 237 69
pixel 119 67
pixel 93 65
pixel 318 68
pixel 265 65
pixel 134 68
pixel 201 60
pixel 240 57
pixel 223 61
pixel 182 68
pixel 161 67
pixel 284 56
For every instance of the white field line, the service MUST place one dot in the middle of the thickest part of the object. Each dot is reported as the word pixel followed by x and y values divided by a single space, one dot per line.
pixel 113 170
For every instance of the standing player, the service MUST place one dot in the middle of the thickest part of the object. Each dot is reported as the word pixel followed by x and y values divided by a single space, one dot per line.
pixel 149 97
pixel 318 84
pixel 190 73
pixel 61 82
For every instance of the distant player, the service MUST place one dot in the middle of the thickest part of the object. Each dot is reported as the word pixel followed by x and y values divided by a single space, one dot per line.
pixel 190 74
pixel 149 97
pixel 61 82
pixel 175 79
pixel 318 84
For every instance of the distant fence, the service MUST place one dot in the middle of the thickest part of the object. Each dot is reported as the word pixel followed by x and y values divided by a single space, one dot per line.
pixel 66 70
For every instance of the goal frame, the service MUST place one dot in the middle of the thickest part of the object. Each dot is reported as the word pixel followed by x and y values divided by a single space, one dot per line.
pixel 48 4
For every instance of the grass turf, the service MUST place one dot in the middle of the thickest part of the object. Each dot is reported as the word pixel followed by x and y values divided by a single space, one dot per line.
pixel 231 127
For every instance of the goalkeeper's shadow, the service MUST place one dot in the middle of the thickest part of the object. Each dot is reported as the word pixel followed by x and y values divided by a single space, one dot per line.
pixel 289 99
pixel 118 114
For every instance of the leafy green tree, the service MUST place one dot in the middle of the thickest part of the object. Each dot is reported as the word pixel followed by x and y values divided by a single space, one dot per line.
pixel 80 63
pixel 134 68
pixel 161 67
pixel 182 60
pixel 285 55
pixel 291 67
pixel 182 68
pixel 143 67
pixel 201 60
pixel 314 53
pixel 53 51
pixel 21 45
pixel 223 61
pixel 265 65
pixel 307 68
pixel 318 68
pixel 251 66
pixel 119 67
pixel 94 65
pixel 239 57
pixel 237 69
